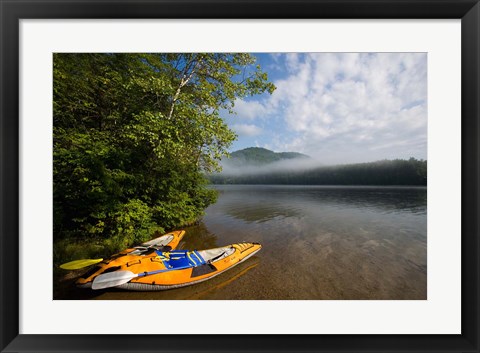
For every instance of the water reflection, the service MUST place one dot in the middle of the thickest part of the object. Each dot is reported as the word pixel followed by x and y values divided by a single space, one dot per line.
pixel 234 274
pixel 328 242
pixel 198 237
pixel 258 203
pixel 262 212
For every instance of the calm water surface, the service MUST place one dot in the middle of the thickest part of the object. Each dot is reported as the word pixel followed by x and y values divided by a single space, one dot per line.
pixel 319 242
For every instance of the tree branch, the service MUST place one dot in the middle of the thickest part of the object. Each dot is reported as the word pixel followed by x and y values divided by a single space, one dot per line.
pixel 185 79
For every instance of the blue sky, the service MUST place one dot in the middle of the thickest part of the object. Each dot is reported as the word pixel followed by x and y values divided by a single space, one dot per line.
pixel 338 107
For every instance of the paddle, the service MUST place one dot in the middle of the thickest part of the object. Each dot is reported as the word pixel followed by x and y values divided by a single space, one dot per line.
pixel 117 278
pixel 78 264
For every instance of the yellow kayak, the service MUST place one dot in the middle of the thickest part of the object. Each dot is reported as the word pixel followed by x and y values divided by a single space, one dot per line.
pixel 165 242
pixel 163 270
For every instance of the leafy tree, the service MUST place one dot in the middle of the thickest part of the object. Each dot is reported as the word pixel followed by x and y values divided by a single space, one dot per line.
pixel 133 135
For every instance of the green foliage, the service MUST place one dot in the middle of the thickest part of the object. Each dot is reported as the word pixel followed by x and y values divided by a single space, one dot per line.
pixel 134 135
pixel 64 250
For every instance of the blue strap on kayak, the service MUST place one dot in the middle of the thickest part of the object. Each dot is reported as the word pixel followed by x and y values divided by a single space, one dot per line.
pixel 181 259
pixel 195 258
pixel 180 262
pixel 178 253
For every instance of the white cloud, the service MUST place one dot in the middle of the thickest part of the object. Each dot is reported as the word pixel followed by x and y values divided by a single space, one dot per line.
pixel 353 107
pixel 247 129
pixel 292 61
pixel 249 110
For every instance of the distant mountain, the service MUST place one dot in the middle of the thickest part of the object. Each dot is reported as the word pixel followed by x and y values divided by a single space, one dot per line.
pixel 257 156
pixel 256 165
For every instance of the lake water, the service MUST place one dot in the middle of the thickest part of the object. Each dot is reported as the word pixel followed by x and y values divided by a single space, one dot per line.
pixel 319 242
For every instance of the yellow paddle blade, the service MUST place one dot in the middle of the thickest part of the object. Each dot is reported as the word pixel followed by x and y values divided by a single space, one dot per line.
pixel 77 264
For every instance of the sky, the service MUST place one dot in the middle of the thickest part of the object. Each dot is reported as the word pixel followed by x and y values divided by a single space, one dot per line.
pixel 338 107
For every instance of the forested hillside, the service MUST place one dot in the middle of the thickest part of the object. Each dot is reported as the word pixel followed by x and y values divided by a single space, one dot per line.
pixel 133 135
pixel 260 156
pixel 387 172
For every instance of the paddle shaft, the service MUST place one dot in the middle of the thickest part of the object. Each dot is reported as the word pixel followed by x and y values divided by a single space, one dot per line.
pixel 117 278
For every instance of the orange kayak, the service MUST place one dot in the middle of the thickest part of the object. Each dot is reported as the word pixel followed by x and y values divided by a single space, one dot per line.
pixel 165 242
pixel 166 270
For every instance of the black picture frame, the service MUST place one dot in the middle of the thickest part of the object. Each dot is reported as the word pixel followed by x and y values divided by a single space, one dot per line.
pixel 12 11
